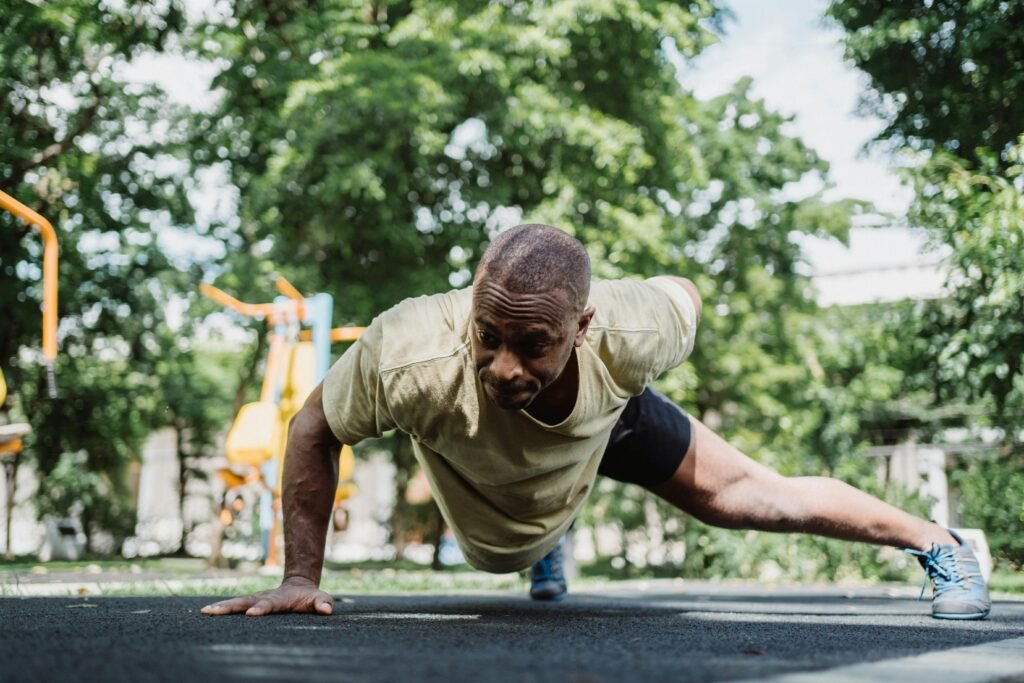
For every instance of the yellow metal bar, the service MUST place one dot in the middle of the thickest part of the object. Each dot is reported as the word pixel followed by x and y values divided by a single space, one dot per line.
pixel 49 271
pixel 288 289
pixel 228 301
pixel 338 334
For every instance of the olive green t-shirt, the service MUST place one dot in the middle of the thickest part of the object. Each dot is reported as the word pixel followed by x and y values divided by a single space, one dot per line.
pixel 507 484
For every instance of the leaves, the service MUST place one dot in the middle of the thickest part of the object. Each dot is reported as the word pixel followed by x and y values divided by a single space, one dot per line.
pixel 94 154
pixel 942 74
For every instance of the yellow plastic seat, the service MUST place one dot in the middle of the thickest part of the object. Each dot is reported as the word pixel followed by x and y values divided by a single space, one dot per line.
pixel 10 434
pixel 346 463
pixel 237 475
pixel 12 447
pixel 255 434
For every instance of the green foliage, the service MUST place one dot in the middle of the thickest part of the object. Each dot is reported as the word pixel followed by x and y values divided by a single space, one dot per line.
pixel 375 149
pixel 73 489
pixel 944 73
pixel 992 497
pixel 384 144
pixel 979 212
pixel 93 153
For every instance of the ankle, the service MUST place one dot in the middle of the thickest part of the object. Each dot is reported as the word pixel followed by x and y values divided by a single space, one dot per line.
pixel 935 535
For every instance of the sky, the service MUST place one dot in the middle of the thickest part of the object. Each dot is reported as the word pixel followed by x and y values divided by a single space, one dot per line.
pixel 797 64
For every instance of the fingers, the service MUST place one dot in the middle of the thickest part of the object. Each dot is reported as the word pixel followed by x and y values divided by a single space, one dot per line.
pixel 261 607
pixel 232 606
pixel 269 602
pixel 324 604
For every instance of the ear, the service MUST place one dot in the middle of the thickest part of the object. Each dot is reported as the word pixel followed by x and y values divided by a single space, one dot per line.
pixel 582 325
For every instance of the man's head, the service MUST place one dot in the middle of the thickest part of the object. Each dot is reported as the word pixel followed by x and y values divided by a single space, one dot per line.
pixel 529 311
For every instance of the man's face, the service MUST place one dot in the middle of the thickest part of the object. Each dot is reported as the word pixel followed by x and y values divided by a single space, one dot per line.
pixel 521 342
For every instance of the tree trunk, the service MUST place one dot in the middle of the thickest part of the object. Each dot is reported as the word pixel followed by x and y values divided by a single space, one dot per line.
pixel 436 534
pixel 405 462
pixel 249 373
pixel 11 477
pixel 183 477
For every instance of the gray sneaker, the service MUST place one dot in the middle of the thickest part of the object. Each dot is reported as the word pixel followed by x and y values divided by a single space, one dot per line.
pixel 958 588
pixel 547 577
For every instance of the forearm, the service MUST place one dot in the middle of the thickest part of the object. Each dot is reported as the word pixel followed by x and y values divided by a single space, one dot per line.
pixel 310 481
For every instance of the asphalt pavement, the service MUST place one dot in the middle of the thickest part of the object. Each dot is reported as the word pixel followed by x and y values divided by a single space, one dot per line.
pixel 647 633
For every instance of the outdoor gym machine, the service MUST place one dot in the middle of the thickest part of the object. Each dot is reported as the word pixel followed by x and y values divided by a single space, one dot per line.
pixel 298 360
pixel 11 434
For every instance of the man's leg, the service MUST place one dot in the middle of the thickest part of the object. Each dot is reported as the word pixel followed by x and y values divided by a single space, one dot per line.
pixel 719 485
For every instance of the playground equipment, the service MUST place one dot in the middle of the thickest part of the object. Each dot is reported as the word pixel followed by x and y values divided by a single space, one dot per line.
pixel 11 435
pixel 298 360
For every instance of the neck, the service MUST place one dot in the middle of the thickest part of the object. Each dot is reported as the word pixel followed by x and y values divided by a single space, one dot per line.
pixel 556 403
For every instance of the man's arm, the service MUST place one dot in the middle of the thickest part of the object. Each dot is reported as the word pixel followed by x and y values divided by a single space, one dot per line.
pixel 310 480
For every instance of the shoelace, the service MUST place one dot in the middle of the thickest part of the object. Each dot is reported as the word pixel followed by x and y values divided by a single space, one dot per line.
pixel 942 567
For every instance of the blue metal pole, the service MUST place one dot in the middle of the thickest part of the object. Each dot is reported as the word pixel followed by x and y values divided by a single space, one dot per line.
pixel 319 309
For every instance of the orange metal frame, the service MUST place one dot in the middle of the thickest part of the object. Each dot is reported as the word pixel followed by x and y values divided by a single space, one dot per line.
pixel 49 270
pixel 271 311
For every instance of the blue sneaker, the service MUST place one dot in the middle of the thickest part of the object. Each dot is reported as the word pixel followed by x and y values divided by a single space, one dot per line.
pixel 958 588
pixel 547 577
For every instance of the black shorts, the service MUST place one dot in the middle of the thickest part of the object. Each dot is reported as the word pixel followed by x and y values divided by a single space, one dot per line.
pixel 648 442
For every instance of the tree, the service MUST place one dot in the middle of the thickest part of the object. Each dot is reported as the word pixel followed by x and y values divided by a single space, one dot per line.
pixel 944 73
pixel 385 143
pixel 196 381
pixel 94 154
pixel 979 341
pixel 407 134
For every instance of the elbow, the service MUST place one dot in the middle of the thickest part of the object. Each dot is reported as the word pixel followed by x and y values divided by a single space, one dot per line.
pixel 691 291
pixel 309 426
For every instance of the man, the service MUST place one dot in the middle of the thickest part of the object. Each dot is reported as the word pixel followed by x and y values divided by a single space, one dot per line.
pixel 518 392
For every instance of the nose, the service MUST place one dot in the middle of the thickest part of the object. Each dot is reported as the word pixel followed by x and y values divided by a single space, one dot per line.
pixel 506 366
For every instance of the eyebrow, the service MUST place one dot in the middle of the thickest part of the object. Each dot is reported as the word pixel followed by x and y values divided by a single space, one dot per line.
pixel 533 335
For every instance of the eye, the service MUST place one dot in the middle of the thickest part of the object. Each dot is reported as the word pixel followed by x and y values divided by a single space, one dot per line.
pixel 537 349
pixel 487 339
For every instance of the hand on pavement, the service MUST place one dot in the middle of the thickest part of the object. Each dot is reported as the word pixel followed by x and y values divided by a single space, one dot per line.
pixel 293 595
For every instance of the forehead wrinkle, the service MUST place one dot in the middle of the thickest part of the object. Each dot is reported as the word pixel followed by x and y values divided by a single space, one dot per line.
pixel 545 308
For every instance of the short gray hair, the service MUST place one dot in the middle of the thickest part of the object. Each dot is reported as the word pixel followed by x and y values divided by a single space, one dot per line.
pixel 535 258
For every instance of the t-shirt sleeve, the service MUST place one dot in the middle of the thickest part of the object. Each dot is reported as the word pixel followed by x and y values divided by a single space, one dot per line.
pixel 672 309
pixel 642 329
pixel 353 398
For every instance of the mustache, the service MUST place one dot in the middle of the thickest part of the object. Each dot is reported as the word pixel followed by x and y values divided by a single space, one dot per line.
pixel 505 387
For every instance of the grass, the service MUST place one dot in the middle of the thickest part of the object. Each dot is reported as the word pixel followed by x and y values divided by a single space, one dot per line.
pixel 1007 582
pixel 189 577
pixel 171 565
pixel 184 576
